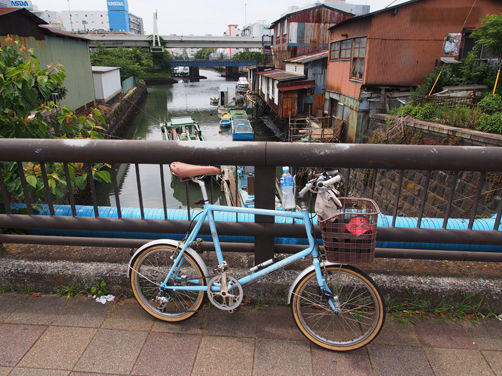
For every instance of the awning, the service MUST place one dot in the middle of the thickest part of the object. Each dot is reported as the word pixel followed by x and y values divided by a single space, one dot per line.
pixel 296 87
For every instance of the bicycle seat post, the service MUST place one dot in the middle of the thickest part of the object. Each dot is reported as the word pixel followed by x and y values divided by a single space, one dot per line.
pixel 202 185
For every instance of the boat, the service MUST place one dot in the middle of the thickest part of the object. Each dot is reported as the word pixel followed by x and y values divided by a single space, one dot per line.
pixel 241 127
pixel 181 129
pixel 242 85
pixel 229 99
pixel 226 120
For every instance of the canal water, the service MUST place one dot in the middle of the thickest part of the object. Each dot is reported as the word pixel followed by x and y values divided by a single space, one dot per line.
pixel 162 103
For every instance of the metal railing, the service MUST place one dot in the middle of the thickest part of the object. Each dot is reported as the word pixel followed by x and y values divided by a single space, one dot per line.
pixel 265 156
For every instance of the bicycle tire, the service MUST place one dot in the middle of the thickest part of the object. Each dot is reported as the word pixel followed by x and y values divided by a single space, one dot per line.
pixel 150 268
pixel 362 307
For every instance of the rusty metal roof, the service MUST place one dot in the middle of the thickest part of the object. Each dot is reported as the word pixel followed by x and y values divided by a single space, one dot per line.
pixel 316 5
pixel 308 58
pixel 306 85
pixel 371 14
pixel 281 75
pixel 23 11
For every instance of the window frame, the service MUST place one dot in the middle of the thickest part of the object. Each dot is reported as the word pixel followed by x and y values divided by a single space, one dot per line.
pixel 358 57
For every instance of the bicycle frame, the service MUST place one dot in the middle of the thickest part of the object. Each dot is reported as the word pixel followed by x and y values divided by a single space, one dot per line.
pixel 209 209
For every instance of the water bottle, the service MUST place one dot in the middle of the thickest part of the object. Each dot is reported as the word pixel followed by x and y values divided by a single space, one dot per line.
pixel 287 189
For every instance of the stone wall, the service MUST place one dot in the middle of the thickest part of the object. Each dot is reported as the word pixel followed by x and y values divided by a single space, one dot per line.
pixel 465 184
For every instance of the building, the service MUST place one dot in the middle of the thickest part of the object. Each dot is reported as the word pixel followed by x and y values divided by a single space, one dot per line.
pixel 304 31
pixel 107 84
pixel 356 9
pixel 117 18
pixel 256 29
pixel 136 24
pixel 82 21
pixel 53 46
pixel 393 49
pixel 16 4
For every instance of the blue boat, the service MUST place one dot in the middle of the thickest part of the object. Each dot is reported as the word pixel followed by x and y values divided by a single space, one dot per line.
pixel 241 127
pixel 226 120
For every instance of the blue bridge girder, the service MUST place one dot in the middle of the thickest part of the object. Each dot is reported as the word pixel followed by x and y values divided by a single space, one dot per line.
pixel 212 63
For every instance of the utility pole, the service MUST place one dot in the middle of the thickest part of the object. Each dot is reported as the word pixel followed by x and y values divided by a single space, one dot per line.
pixel 71 21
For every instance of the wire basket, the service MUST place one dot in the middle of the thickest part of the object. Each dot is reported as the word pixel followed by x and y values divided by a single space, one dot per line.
pixel 349 236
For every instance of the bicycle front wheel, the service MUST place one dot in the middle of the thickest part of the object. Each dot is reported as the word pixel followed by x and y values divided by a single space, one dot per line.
pixel 362 309
pixel 150 268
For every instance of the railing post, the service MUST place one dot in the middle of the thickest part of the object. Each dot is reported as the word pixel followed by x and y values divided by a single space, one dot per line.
pixel 264 198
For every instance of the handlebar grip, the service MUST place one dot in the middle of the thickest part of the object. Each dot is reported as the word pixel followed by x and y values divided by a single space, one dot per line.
pixel 333 180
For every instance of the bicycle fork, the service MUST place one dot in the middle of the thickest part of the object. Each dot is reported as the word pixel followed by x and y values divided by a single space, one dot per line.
pixel 332 299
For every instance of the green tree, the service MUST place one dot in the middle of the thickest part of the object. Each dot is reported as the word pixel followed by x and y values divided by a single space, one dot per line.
pixel 489 35
pixel 27 110
pixel 131 61
pixel 249 55
pixel 203 53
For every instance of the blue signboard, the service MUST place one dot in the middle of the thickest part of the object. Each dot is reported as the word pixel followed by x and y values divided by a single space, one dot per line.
pixel 117 5
pixel 16 4
pixel 118 15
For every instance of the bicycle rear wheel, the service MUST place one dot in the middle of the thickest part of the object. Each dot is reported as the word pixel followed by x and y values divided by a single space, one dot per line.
pixel 150 268
pixel 362 309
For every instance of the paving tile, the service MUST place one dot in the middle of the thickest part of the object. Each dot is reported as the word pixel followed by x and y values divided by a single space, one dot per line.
pixel 38 372
pixel 457 362
pixel 398 360
pixel 277 323
pixel 59 348
pixel 328 363
pixel 224 356
pixel 112 351
pixel 16 340
pixel 396 333
pixel 282 358
pixel 487 334
pixel 443 334
pixel 9 303
pixel 494 359
pixel 167 354
pixel 128 315
pixel 239 324
pixel 84 312
pixel 4 371
pixel 92 374
pixel 42 310
pixel 194 325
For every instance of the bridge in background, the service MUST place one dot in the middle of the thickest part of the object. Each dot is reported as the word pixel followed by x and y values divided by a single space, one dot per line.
pixel 111 40
pixel 212 63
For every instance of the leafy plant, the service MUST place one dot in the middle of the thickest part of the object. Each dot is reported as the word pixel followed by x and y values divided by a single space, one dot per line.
pixel 68 291
pixel 99 288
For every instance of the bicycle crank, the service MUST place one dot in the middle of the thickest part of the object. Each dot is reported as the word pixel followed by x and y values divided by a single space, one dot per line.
pixel 225 292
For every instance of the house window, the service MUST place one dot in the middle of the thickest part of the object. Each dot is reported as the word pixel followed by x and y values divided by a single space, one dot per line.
pixel 334 51
pixel 345 49
pixel 358 58
pixel 285 29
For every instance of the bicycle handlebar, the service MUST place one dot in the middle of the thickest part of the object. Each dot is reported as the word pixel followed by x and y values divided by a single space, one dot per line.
pixel 323 180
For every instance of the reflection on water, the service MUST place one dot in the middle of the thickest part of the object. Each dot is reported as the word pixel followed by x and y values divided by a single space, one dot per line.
pixel 163 102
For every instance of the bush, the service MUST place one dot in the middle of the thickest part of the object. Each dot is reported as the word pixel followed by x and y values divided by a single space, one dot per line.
pixel 491 103
pixel 491 123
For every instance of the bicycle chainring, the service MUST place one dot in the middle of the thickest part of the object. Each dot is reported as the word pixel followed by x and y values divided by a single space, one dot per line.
pixel 227 300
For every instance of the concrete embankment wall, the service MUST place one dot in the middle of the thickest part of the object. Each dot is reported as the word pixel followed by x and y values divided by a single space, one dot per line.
pixel 466 183
pixel 123 111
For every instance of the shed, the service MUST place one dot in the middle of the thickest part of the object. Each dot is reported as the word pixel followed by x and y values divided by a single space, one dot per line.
pixel 106 83
pixel 53 46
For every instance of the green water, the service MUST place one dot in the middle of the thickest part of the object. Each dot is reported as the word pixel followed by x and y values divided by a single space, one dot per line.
pixel 162 103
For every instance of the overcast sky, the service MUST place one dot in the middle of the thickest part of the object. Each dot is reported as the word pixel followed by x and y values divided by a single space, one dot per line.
pixel 199 17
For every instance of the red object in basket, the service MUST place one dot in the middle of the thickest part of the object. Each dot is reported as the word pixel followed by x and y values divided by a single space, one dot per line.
pixel 358 226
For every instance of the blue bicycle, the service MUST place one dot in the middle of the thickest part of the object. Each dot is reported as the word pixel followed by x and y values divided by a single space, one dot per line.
pixel 336 306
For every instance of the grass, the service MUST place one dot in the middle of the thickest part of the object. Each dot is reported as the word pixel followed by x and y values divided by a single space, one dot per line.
pixel 415 306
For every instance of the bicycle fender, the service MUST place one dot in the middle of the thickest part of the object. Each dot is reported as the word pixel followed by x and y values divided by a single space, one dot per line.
pixel 303 274
pixel 174 243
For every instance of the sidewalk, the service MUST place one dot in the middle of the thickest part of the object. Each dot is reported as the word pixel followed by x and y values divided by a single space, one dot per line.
pixel 49 335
